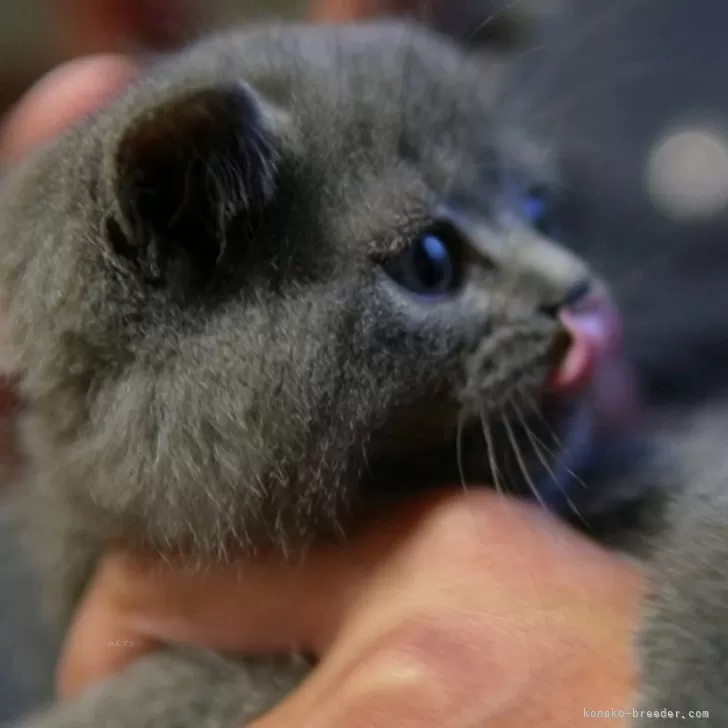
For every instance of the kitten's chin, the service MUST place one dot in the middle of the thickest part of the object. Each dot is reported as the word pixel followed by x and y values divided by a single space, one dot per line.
pixel 555 452
pixel 590 397
pixel 577 438
pixel 604 421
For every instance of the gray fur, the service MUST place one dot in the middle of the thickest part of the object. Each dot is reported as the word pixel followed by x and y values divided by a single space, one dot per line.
pixel 211 353
pixel 682 645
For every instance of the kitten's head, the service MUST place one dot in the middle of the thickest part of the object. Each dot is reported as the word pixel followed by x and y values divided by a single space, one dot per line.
pixel 290 268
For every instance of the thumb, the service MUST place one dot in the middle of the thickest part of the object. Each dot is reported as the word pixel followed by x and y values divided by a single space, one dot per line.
pixel 61 97
pixel 138 601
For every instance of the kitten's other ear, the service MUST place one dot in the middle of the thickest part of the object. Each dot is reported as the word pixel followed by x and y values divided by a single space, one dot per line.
pixel 182 168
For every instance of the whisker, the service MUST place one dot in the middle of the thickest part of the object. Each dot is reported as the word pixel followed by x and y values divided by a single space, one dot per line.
pixel 559 445
pixel 491 18
pixel 500 490
pixel 542 459
pixel 489 445
pixel 459 451
pixel 535 106
pixel 461 469
pixel 566 44
pixel 522 463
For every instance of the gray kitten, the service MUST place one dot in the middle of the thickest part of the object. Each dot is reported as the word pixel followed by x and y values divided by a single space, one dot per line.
pixel 287 277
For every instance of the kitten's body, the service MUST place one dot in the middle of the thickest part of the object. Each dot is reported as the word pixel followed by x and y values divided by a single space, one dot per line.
pixel 212 351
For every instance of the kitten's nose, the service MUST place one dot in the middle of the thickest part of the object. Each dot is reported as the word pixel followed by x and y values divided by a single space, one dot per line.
pixel 591 319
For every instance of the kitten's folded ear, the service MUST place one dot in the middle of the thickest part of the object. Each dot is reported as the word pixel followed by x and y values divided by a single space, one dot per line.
pixel 182 167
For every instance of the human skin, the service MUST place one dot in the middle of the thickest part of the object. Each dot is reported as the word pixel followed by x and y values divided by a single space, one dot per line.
pixel 89 26
pixel 461 609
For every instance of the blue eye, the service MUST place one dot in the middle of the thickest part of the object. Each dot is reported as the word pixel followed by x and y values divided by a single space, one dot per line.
pixel 540 210
pixel 429 266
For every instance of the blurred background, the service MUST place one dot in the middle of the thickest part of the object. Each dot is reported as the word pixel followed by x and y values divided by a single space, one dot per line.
pixel 36 35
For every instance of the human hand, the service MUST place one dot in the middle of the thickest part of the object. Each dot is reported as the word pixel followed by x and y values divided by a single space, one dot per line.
pixel 460 610
pixel 58 99
pixel 88 26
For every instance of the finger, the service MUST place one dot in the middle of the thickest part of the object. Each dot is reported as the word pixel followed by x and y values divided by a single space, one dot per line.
pixel 491 653
pixel 61 97
pixel 338 11
pixel 427 556
pixel 138 601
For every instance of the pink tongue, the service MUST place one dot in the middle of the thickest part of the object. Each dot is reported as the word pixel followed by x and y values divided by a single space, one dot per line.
pixel 596 335
pixel 594 364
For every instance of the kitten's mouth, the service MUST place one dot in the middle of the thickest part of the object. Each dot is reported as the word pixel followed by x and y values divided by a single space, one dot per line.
pixel 544 453
pixel 594 386
pixel 537 449
pixel 595 330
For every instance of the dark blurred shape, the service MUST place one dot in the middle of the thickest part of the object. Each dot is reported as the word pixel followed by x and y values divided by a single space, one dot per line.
pixel 90 26
pixel 495 22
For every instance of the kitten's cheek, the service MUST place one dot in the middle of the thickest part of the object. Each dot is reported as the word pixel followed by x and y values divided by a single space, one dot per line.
pixel 595 330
